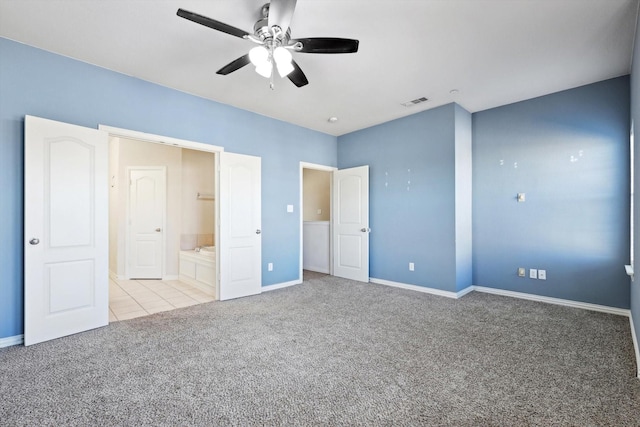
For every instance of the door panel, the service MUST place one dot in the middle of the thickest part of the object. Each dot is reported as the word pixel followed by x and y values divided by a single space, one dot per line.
pixel 147 206
pixel 240 219
pixel 351 223
pixel 69 171
pixel 66 225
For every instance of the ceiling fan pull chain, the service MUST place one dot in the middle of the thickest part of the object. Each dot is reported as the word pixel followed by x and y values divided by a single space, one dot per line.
pixel 271 83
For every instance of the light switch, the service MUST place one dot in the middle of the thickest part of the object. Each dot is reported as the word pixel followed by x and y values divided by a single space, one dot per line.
pixel 533 273
pixel 289 208
pixel 520 198
pixel 319 212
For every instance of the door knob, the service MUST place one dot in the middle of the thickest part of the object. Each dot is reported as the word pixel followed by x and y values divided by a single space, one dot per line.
pixel 258 231
pixel 34 241
pixel 158 229
pixel 364 230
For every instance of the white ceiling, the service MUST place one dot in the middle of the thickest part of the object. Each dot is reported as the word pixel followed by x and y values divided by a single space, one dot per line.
pixel 494 52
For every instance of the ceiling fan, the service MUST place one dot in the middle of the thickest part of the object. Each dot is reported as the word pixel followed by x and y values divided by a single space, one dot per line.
pixel 272 34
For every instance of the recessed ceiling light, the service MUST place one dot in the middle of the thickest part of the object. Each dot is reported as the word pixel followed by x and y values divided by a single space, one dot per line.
pixel 454 91
pixel 332 119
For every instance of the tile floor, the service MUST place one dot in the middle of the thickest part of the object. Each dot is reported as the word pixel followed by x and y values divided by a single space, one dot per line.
pixel 136 298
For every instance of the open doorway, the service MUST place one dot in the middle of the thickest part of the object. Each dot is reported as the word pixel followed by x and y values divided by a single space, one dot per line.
pixel 67 166
pixel 316 185
pixel 162 216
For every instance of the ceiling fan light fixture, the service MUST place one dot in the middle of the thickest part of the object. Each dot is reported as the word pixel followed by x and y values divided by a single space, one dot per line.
pixel 284 69
pixel 259 55
pixel 265 69
pixel 283 60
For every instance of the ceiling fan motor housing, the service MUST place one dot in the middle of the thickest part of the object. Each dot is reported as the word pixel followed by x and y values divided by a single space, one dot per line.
pixel 262 31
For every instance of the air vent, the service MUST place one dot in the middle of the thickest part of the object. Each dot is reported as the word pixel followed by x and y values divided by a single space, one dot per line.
pixel 415 101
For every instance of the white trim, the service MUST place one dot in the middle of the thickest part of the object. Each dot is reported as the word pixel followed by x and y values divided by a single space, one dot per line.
pixel 159 139
pixel 280 285
pixel 306 165
pixel 417 288
pixel 557 301
pixel 634 337
pixel 521 295
pixel 465 291
pixel 14 340
pixel 171 277
pixel 629 270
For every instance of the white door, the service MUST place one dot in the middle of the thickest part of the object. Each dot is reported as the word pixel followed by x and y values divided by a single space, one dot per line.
pixel 66 252
pixel 147 205
pixel 240 218
pixel 351 223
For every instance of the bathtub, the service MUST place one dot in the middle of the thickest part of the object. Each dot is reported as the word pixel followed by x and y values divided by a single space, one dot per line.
pixel 199 269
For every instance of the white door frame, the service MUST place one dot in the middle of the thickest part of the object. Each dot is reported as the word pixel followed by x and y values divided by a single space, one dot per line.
pixel 127 238
pixel 180 143
pixel 305 165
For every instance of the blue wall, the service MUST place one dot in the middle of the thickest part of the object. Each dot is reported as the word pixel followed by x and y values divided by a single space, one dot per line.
pixel 571 150
pixel 412 196
pixel 635 117
pixel 39 83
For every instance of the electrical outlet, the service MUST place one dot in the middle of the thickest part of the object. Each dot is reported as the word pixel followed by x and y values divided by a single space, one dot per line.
pixel 533 273
pixel 542 274
pixel 412 267
pixel 522 272
pixel 270 266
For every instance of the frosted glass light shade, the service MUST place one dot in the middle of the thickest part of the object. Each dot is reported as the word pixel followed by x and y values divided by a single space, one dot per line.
pixel 283 61
pixel 265 69
pixel 258 55
pixel 284 68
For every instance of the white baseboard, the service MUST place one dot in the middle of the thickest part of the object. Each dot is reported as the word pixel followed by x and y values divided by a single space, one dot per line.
pixel 171 277
pixel 634 337
pixel 557 301
pixel 280 285
pixel 422 289
pixel 513 294
pixel 9 341
pixel 465 291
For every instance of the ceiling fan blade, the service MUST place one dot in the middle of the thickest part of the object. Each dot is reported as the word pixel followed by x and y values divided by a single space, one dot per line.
pixel 297 77
pixel 234 65
pixel 280 13
pixel 211 23
pixel 326 45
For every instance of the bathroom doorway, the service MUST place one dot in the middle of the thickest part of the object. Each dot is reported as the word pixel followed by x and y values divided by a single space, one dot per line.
pixel 161 227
